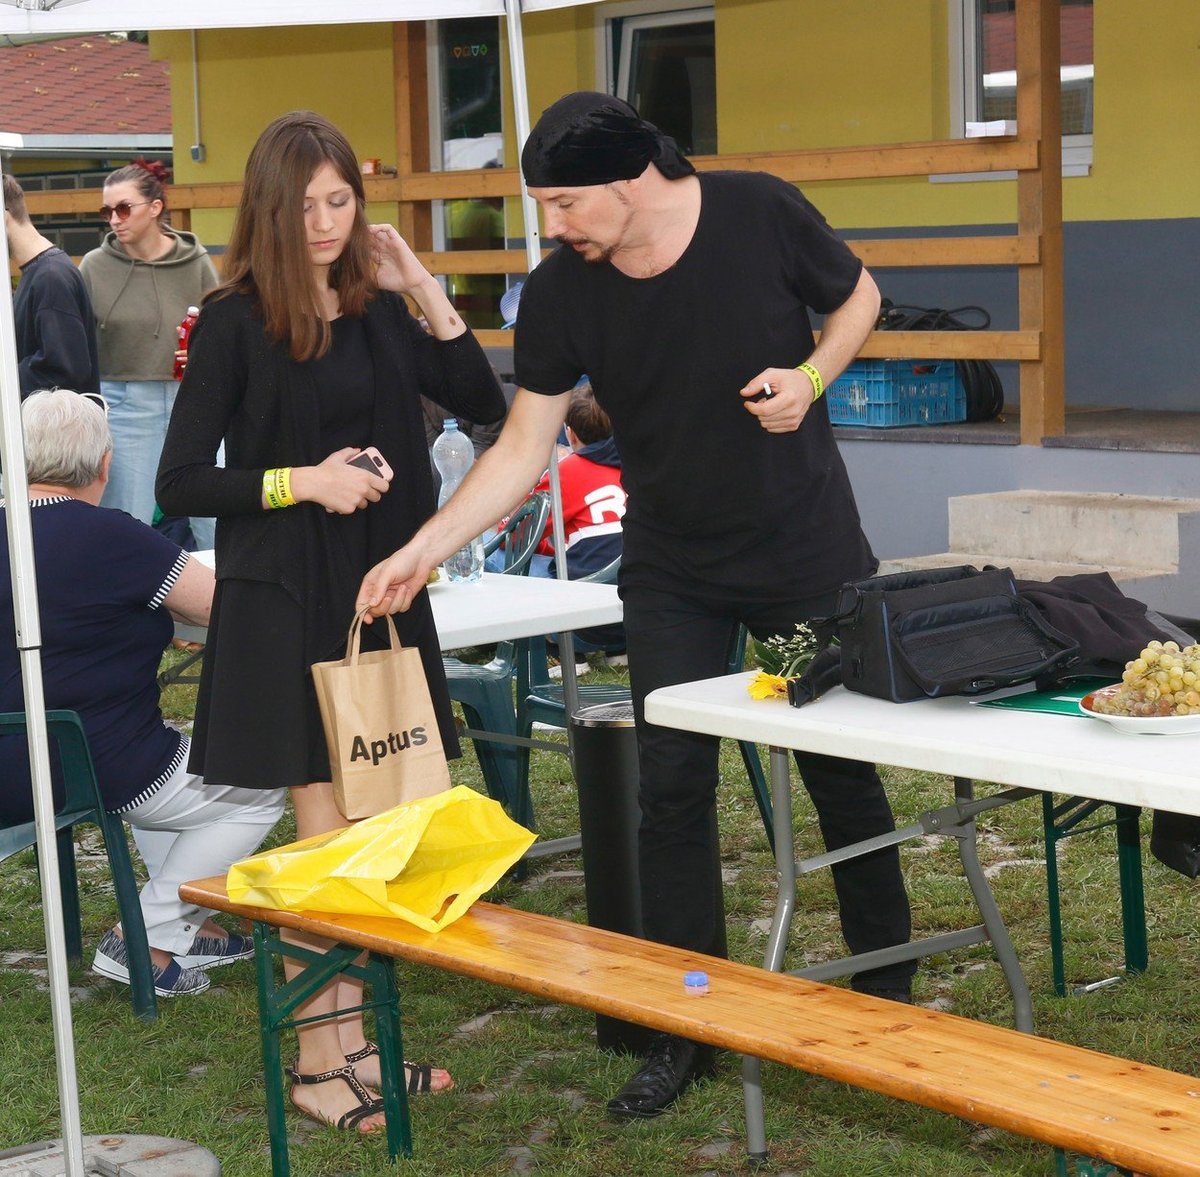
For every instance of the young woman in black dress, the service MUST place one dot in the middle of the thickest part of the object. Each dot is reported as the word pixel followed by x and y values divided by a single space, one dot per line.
pixel 306 354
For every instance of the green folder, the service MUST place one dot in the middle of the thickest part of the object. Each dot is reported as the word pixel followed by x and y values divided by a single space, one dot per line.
pixel 1062 700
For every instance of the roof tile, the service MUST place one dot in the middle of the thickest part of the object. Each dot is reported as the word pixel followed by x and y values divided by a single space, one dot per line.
pixel 89 85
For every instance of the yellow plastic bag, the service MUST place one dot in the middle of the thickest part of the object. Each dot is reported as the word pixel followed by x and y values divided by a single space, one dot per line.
pixel 404 863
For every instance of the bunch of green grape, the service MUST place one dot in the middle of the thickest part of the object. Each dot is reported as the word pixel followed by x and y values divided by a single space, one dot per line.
pixel 1161 680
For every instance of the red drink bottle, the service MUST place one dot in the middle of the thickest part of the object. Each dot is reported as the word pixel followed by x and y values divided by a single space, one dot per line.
pixel 184 331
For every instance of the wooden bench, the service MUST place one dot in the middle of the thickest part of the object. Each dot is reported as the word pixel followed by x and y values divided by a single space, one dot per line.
pixel 1130 1114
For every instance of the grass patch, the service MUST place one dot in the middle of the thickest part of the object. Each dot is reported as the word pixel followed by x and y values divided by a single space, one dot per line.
pixel 530 1084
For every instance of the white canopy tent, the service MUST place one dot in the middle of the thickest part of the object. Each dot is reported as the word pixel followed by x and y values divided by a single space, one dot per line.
pixel 66 17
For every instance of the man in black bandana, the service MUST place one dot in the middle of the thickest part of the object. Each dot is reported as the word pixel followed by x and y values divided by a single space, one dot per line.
pixel 684 297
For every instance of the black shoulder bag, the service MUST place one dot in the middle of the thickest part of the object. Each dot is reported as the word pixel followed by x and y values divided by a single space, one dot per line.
pixel 934 632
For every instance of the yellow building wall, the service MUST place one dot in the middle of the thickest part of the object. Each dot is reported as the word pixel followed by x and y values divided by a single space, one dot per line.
pixel 249 76
pixel 794 74
pixel 790 74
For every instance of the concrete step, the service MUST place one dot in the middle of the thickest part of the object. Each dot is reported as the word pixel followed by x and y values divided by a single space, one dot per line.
pixel 1107 530
pixel 1150 546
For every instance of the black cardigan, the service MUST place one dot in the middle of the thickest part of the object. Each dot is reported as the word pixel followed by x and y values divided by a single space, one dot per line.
pixel 242 388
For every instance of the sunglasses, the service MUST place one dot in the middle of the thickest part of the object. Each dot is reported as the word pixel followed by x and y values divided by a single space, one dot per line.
pixel 96 399
pixel 122 208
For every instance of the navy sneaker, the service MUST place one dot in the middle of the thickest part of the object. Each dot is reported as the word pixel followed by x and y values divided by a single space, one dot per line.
pixel 112 961
pixel 207 952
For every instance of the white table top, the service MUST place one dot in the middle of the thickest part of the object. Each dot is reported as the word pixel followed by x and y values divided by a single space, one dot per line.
pixel 500 608
pixel 1056 753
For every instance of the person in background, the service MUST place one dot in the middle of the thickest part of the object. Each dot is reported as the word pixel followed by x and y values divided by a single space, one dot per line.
pixel 686 298
pixel 593 505
pixel 306 354
pixel 141 280
pixel 52 313
pixel 109 588
pixel 593 499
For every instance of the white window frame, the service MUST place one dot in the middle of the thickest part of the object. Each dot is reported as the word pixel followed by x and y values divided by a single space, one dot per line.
pixel 963 41
pixel 647 14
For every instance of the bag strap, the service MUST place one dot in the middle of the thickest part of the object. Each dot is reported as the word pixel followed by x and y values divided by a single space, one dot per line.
pixel 354 637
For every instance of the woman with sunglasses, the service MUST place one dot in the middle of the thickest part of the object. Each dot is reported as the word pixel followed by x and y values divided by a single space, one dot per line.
pixel 141 280
pixel 306 354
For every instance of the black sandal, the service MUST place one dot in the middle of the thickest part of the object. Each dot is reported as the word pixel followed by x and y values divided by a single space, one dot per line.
pixel 367 1106
pixel 420 1075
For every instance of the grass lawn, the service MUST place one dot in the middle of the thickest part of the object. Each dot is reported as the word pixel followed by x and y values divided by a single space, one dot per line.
pixel 530 1084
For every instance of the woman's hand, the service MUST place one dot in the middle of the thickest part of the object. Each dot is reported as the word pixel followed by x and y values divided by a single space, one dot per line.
pixel 340 488
pixel 398 269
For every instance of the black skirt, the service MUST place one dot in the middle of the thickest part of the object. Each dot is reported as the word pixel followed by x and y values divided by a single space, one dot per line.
pixel 257 722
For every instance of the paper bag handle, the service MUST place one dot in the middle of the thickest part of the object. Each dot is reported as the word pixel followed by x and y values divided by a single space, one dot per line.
pixel 354 637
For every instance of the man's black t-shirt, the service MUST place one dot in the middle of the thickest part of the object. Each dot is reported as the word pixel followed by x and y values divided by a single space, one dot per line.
pixel 714 499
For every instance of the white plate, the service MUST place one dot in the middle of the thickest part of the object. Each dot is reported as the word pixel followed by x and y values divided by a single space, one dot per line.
pixel 1145 725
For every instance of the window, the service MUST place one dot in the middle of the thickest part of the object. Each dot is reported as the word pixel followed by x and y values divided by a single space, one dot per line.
pixel 984 76
pixel 466 77
pixel 664 63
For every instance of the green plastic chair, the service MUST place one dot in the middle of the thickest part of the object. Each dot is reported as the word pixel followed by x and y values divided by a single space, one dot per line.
pixel 486 692
pixel 82 803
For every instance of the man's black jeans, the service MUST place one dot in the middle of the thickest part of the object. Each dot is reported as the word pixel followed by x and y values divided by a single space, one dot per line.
pixel 674 638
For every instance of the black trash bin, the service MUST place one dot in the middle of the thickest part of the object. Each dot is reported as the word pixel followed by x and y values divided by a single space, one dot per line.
pixel 606 775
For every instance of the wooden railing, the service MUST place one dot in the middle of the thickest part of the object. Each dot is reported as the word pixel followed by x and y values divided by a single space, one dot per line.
pixel 1035 249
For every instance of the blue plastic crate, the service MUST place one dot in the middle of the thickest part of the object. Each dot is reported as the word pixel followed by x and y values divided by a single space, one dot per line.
pixel 885 393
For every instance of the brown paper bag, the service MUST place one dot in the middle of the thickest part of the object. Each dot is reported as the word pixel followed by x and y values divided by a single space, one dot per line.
pixel 384 743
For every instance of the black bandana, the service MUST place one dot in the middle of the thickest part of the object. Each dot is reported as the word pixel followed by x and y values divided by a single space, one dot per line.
pixel 588 138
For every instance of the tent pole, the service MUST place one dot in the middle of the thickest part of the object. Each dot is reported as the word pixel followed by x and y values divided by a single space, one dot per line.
pixel 533 252
pixel 29 642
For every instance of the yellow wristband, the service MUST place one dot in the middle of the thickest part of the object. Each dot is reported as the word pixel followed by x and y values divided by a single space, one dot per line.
pixel 283 486
pixel 815 376
pixel 277 488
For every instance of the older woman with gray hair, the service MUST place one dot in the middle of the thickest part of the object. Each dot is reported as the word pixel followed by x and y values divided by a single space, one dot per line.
pixel 109 588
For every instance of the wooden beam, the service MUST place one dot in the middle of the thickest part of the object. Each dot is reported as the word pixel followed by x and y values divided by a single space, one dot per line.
pixel 1039 215
pixel 880 253
pixel 477 261
pixel 910 345
pixel 940 157
pixel 952 345
pixel 180 197
pixel 411 81
pixel 415 183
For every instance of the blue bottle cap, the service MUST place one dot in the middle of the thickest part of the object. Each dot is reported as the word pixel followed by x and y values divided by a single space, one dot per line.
pixel 693 980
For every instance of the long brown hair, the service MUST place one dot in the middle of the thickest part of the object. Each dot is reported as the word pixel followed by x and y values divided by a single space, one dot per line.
pixel 267 256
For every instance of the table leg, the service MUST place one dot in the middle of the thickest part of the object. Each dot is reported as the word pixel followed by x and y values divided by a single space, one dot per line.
pixel 277 1003
pixel 272 1062
pixel 1002 944
pixel 1133 898
pixel 781 922
pixel 391 1054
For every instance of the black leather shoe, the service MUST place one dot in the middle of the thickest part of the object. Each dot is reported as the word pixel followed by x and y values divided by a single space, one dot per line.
pixel 671 1064
pixel 903 996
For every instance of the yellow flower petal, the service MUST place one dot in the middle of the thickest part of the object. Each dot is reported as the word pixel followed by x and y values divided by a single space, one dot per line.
pixel 767 686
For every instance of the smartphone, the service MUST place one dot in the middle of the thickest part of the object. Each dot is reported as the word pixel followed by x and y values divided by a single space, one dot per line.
pixel 765 395
pixel 373 461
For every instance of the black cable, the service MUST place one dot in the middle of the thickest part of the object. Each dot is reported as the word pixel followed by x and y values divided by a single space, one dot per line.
pixel 981 384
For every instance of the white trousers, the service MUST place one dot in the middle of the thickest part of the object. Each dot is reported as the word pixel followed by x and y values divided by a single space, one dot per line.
pixel 190 830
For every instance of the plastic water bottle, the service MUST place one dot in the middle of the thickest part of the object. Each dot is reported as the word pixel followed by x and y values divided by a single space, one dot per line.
pixel 453 455
pixel 184 331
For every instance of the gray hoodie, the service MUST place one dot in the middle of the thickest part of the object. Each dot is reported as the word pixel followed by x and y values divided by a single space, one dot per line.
pixel 140 304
